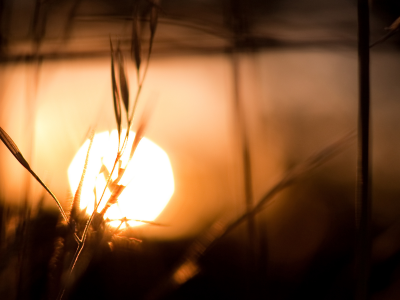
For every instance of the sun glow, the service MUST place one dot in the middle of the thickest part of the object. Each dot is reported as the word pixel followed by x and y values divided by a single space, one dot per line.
pixel 148 178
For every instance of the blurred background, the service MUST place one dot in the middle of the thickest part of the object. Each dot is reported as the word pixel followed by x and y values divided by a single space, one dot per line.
pixel 245 91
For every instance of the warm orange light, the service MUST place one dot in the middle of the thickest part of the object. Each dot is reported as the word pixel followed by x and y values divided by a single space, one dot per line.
pixel 148 178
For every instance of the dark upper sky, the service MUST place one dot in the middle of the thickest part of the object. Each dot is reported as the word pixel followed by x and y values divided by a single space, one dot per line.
pixel 83 27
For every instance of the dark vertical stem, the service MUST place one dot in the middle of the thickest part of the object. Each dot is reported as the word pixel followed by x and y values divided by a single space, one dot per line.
pixel 2 37
pixel 363 205
pixel 245 152
pixel 238 24
pixel 70 19
pixel 39 19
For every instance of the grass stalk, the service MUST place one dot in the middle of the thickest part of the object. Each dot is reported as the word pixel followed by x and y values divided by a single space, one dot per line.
pixel 246 162
pixel 202 245
pixel 293 175
pixel 122 91
pixel 363 203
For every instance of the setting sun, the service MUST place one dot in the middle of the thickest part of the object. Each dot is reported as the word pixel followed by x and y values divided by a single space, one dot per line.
pixel 148 178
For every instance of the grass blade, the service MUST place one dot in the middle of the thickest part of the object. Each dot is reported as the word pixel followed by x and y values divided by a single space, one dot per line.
pixel 113 198
pixel 153 20
pixel 77 198
pixel 136 45
pixel 295 174
pixel 190 267
pixel 139 135
pixel 13 148
pixel 123 81
pixel 117 104
pixel 18 155
pixel 137 220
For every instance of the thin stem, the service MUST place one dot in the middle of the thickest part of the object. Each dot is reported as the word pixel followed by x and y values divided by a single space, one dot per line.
pixel 81 241
pixel 76 255
pixel 246 161
pixel 85 231
pixel 363 205
pixel 71 267
pixel 51 194
pixel 60 208
pixel 140 84
pixel 292 176
pixel 120 149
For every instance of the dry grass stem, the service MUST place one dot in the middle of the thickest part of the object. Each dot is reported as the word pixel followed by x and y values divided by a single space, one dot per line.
pixel 190 266
pixel 116 99
pixel 75 208
pixel 6 139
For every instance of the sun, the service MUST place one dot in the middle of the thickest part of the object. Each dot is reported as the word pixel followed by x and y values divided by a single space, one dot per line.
pixel 148 178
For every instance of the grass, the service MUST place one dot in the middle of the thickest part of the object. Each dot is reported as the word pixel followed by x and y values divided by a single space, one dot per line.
pixel 78 227
pixel 77 256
